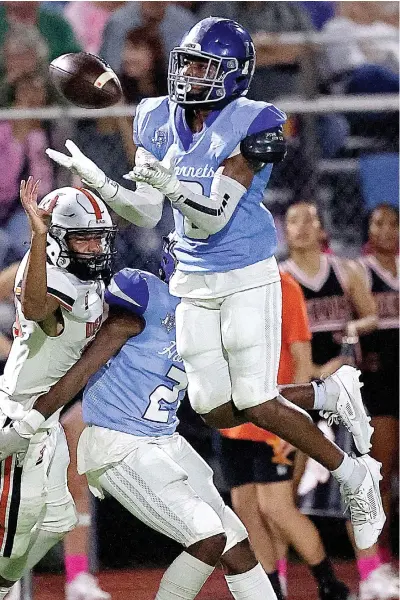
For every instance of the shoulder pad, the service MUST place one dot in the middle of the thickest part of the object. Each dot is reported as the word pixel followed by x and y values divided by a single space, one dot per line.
pixel 128 289
pixel 61 286
pixel 142 115
pixel 267 146
pixel 268 117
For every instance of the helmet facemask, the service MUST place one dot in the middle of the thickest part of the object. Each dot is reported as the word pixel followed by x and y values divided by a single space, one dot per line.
pixel 87 266
pixel 181 87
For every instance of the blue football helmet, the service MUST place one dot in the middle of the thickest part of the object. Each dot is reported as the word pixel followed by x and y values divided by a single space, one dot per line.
pixel 226 54
pixel 168 258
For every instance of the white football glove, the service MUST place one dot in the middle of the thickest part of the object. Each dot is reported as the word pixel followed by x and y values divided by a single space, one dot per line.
pixel 15 438
pixel 79 164
pixel 158 177
pixel 11 442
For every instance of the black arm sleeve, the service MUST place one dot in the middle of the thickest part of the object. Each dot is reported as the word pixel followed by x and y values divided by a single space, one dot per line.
pixel 266 146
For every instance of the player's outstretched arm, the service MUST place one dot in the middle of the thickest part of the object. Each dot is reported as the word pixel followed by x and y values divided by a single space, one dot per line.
pixel 211 213
pixel 142 207
pixel 118 328
pixel 36 304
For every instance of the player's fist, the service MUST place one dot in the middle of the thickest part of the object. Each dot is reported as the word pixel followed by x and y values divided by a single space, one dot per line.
pixel 79 164
pixel 158 177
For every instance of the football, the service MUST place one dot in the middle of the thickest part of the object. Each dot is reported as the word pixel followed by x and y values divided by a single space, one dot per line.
pixel 86 80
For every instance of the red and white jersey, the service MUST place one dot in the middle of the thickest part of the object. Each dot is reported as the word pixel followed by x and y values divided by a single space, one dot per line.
pixel 37 361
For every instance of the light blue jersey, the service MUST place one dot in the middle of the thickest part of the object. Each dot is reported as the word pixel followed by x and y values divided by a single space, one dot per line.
pixel 139 390
pixel 249 237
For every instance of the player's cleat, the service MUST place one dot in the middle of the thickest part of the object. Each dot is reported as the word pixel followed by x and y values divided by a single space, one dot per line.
pixel 365 504
pixel 381 584
pixel 15 592
pixel 85 587
pixel 350 409
pixel 334 590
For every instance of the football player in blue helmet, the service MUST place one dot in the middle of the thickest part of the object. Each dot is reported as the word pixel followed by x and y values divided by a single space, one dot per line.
pixel 210 151
pixel 213 65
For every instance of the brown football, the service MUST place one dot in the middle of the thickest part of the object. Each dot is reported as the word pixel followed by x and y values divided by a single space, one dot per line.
pixel 85 80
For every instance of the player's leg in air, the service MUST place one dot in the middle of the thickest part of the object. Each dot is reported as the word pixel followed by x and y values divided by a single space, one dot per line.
pixel 259 475
pixel 80 584
pixel 231 347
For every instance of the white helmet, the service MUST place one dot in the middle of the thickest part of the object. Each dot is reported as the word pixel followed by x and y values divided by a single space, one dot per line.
pixel 79 212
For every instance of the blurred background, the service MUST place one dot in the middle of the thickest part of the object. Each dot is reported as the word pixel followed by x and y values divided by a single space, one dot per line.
pixel 332 66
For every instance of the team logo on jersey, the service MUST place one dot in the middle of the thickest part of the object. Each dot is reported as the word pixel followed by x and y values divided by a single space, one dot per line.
pixel 168 322
pixel 160 138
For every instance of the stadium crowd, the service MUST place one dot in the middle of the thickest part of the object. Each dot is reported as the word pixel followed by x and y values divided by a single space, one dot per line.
pixel 360 56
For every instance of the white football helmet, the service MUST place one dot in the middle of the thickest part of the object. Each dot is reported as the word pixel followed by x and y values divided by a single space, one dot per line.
pixel 79 212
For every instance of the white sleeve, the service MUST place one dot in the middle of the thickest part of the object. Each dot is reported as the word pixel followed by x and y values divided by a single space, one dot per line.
pixel 142 207
pixel 210 213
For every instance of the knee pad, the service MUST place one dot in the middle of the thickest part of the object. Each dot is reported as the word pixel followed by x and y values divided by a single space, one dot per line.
pixel 60 518
pixel 235 530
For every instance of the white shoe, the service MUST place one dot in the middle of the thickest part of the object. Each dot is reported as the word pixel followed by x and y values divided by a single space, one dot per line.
pixel 15 592
pixel 365 504
pixel 85 587
pixel 350 408
pixel 381 584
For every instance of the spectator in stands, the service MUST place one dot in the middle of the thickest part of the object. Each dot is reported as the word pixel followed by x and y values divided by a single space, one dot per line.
pixel 166 21
pixel 22 148
pixel 24 52
pixel 142 71
pixel 88 20
pixel 258 467
pixel 278 65
pixel 362 54
pixel 52 26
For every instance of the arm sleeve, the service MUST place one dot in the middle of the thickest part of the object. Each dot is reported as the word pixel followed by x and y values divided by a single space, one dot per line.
pixel 142 207
pixel 210 213
pixel 128 289
pixel 295 326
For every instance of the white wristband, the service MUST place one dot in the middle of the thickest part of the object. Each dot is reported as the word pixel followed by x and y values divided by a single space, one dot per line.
pixel 29 424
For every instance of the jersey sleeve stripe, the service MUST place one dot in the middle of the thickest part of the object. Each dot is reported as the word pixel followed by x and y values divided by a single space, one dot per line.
pixel 214 212
pixel 65 300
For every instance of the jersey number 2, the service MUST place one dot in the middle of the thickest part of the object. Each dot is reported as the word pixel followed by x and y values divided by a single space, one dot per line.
pixel 163 394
